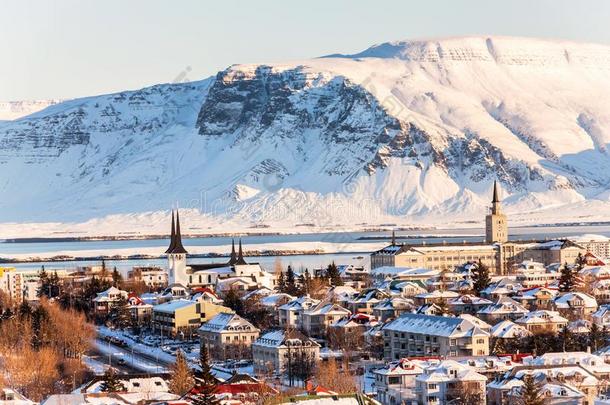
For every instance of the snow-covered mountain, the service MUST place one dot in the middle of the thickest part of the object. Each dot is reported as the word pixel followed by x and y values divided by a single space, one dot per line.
pixel 11 110
pixel 402 133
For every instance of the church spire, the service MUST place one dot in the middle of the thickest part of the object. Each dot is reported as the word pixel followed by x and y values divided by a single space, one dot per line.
pixel 233 258
pixel 495 197
pixel 172 238
pixel 240 255
pixel 178 248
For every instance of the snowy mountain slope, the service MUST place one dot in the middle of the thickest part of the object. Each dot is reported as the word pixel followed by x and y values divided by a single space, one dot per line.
pixel 403 132
pixel 12 110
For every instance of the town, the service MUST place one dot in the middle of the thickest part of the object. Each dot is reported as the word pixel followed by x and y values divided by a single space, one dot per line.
pixel 495 322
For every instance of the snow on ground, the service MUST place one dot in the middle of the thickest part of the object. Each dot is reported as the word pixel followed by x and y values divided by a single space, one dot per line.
pixel 457 114
pixel 94 365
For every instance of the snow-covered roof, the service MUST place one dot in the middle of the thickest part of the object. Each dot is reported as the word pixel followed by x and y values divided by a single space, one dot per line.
pixel 300 304
pixel 226 322
pixel 508 330
pixel 481 324
pixel 564 301
pixel 434 325
pixel 173 306
pixel 449 370
pixel 327 308
pixel 504 305
pixel 438 294
pixel 282 338
pixel 542 316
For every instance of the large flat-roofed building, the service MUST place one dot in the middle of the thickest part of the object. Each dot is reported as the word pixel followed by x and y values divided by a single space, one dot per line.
pixel 496 252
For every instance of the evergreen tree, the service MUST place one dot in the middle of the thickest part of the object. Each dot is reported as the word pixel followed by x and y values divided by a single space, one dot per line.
pixel 530 392
pixel 117 278
pixel 233 301
pixel 111 383
pixel 566 339
pixel 281 282
pixel 291 283
pixel 333 275
pixel 206 382
pixel 596 338
pixel 39 320
pixel 25 310
pixel 443 308
pixel 306 283
pixel 480 277
pixel 581 262
pixel 120 314
pixel 54 285
pixel 181 380
pixel 567 280
pixel 43 281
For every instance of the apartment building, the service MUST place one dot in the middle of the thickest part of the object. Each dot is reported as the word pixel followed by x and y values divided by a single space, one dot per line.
pixel 428 335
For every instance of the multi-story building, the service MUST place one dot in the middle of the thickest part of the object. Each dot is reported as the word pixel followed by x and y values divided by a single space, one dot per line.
pixel 183 317
pixel 395 383
pixel 598 245
pixel 228 336
pixel 291 314
pixel 317 319
pixel 497 252
pixel 153 277
pixel 449 382
pixel 427 335
pixel 12 283
pixel 283 351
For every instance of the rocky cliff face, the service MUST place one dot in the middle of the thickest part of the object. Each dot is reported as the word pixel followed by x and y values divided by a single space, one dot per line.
pixel 402 132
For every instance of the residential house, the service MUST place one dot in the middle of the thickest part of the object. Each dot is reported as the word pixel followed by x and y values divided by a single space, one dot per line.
pixel 542 321
pixel 291 314
pixel 392 308
pixel 504 308
pixel 448 382
pixel 467 304
pixel 365 301
pixel 106 300
pixel 283 351
pixel 228 336
pixel 575 305
pixel 317 319
pixel 395 383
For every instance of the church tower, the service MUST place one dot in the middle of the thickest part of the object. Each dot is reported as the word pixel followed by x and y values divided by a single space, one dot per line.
pixel 496 226
pixel 176 255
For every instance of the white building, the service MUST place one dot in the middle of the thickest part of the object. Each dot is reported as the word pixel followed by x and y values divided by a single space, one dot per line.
pixel 450 381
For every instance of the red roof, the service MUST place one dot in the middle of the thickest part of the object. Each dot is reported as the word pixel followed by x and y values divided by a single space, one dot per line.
pixel 234 389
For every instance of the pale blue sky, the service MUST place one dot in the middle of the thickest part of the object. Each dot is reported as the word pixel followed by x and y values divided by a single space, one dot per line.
pixel 71 48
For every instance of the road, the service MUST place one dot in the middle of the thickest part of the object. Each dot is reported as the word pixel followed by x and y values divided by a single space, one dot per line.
pixel 131 361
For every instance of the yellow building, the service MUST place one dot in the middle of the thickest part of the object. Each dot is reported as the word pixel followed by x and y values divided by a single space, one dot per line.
pixel 183 316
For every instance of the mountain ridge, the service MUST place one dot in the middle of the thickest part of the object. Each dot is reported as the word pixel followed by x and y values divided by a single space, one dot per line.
pixel 415 136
